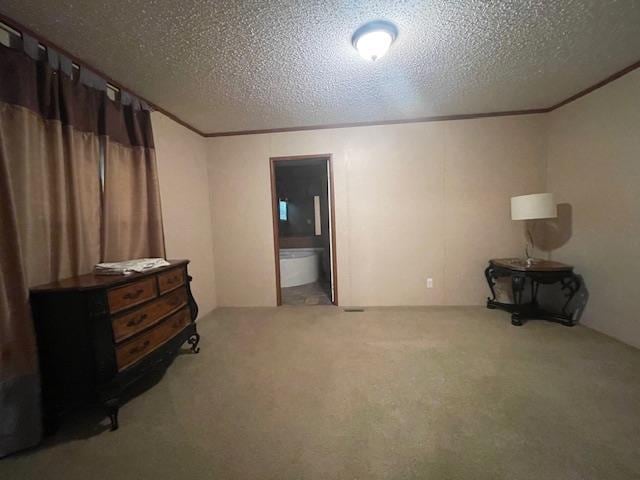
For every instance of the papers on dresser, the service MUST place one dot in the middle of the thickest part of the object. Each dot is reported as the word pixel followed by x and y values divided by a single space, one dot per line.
pixel 127 267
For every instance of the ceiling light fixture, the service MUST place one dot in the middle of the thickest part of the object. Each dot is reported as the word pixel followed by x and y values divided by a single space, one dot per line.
pixel 373 39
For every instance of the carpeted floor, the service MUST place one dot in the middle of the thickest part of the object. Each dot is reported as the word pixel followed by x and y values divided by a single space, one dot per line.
pixel 397 393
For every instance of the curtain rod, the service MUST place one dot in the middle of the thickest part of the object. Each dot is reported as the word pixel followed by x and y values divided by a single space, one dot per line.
pixel 12 31
pixel 113 86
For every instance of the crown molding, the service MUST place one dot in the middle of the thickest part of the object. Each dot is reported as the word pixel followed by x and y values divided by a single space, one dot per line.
pixel 596 86
pixel 436 118
pixel 441 118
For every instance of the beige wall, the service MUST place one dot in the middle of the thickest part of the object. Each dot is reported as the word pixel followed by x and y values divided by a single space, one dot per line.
pixel 594 165
pixel 420 200
pixel 412 201
pixel 186 212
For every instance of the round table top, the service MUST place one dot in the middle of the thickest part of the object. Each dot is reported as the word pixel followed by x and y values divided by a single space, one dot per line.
pixel 521 265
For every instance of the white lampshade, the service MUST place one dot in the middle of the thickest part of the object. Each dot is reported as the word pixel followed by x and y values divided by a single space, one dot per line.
pixel 531 207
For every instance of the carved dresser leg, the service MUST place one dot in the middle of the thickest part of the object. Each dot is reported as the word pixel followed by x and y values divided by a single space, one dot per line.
pixel 194 340
pixel 113 407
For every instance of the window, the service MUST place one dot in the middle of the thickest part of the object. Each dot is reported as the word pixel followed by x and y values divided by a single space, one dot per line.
pixel 284 210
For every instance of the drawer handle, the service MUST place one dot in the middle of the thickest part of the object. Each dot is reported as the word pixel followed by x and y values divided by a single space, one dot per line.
pixel 137 321
pixel 140 348
pixel 133 295
pixel 174 302
pixel 177 324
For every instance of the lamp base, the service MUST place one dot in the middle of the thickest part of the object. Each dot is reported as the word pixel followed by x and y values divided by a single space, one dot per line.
pixel 530 261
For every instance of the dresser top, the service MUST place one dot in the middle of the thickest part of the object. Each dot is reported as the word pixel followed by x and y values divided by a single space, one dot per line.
pixel 520 265
pixel 91 281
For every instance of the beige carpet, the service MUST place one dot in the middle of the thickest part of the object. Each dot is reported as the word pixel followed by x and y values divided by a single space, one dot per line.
pixel 316 393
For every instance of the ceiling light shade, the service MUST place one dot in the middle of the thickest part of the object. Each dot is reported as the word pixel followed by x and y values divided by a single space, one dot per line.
pixel 373 39
pixel 531 207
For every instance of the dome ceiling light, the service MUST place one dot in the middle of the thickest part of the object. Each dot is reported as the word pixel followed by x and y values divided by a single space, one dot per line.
pixel 373 39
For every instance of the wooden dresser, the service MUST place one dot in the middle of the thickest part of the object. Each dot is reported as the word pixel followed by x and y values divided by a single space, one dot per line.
pixel 99 334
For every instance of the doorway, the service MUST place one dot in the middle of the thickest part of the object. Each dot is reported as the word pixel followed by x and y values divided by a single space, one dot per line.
pixel 304 230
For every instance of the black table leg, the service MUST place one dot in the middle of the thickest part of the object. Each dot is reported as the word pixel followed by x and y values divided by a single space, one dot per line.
pixel 570 286
pixel 489 275
pixel 517 285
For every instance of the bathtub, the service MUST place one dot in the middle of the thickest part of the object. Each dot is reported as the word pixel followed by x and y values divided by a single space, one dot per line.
pixel 299 266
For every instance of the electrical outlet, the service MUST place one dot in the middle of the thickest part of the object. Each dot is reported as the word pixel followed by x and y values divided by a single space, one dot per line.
pixel 429 282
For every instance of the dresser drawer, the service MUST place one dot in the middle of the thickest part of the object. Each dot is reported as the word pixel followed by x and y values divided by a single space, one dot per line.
pixel 133 350
pixel 132 294
pixel 171 279
pixel 130 323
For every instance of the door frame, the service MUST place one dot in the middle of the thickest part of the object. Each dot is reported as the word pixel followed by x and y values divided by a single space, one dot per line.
pixel 332 220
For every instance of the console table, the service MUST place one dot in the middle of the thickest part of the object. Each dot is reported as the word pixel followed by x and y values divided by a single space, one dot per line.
pixel 540 272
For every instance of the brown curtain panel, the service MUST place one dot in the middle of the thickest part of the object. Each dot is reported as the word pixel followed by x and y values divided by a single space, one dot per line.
pixel 132 219
pixel 49 212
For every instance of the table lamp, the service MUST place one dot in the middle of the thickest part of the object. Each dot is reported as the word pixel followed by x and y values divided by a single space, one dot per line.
pixel 532 207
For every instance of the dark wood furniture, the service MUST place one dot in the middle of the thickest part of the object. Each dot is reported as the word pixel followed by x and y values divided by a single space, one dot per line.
pixel 540 272
pixel 99 334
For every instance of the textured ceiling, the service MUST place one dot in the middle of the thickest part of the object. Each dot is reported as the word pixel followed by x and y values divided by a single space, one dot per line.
pixel 231 65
